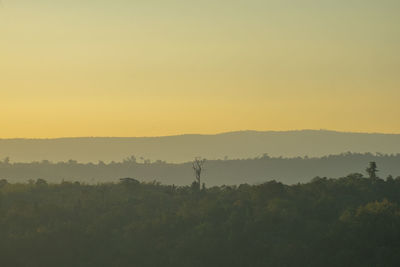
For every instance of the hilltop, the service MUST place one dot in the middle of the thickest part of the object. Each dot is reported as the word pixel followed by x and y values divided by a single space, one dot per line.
pixel 183 148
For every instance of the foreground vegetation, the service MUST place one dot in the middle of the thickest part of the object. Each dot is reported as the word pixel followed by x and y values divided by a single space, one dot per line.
pixel 351 221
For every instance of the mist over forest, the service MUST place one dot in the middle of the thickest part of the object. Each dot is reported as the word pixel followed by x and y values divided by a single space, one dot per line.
pixel 216 172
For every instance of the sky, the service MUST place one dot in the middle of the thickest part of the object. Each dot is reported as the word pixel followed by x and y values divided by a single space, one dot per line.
pixel 152 68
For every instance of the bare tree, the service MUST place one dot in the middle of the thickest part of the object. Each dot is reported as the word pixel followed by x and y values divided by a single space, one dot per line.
pixel 197 166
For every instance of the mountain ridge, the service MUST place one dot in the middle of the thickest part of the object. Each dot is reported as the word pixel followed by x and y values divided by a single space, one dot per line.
pixel 200 134
pixel 183 148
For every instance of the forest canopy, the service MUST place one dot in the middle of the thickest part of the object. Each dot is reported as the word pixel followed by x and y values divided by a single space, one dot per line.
pixel 349 221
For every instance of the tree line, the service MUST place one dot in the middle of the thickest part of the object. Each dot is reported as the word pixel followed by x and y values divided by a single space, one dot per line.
pixel 217 172
pixel 349 221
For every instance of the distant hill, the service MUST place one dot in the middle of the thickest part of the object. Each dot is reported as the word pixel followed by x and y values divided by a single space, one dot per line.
pixel 181 148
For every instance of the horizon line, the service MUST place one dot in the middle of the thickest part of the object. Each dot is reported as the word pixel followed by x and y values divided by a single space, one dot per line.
pixel 200 134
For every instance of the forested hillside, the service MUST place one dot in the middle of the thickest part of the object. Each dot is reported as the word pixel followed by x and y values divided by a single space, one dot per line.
pixel 350 221
pixel 216 172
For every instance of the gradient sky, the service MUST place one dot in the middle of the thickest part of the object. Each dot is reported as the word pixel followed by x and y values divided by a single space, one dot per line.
pixel 145 67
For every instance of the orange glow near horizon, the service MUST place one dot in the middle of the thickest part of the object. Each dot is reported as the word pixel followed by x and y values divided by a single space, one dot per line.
pixel 144 68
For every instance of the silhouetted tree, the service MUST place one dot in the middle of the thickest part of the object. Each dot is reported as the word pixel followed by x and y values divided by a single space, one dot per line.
pixel 129 181
pixel 197 166
pixel 372 170
pixel 41 182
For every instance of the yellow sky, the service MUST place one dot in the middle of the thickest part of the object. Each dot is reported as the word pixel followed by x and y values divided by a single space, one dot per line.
pixel 145 68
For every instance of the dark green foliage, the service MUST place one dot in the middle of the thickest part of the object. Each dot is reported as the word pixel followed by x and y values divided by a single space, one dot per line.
pixel 372 170
pixel 351 221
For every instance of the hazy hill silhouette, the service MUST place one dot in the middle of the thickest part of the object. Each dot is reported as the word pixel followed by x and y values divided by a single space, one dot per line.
pixel 181 148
